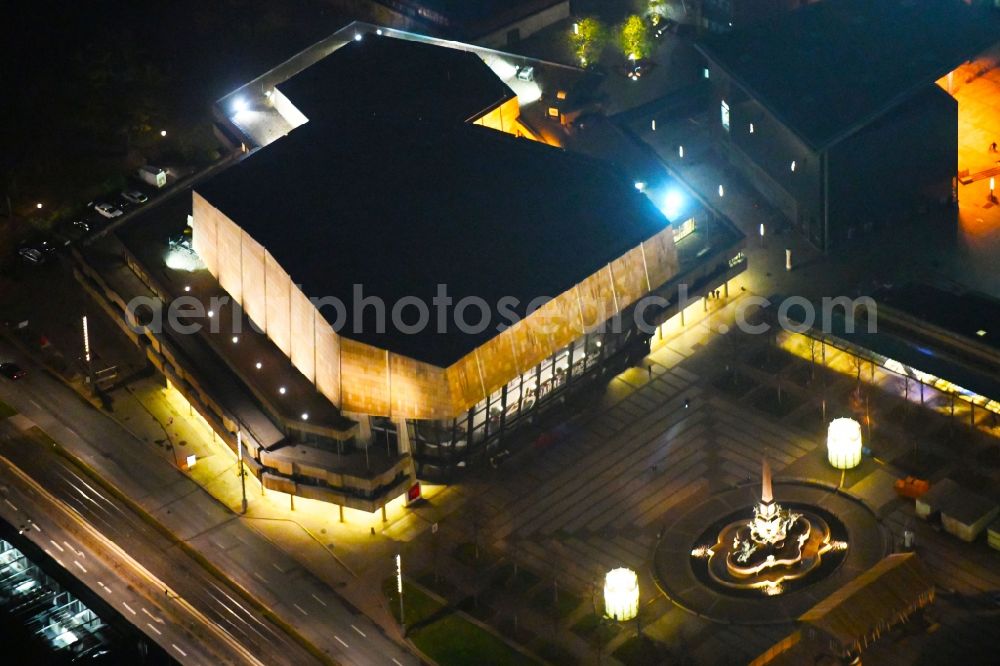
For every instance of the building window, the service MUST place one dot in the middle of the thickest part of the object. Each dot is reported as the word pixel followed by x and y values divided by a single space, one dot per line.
pixel 725 115
pixel 705 73
pixel 684 229
pixel 553 112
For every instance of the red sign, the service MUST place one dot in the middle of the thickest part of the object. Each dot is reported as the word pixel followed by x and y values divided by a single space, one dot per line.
pixel 413 494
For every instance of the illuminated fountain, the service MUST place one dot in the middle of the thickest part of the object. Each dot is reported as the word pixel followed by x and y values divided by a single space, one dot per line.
pixel 776 545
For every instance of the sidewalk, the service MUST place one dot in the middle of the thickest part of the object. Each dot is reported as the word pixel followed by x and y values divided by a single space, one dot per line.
pixel 344 555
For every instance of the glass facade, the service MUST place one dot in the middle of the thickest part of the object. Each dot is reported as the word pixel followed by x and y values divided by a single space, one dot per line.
pixel 441 447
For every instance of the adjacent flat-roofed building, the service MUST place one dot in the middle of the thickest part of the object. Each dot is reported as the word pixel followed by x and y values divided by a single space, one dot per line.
pixel 488 22
pixel 833 114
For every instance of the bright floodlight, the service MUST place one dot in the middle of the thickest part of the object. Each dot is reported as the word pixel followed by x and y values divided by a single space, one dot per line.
pixel 843 443
pixel 239 105
pixel 357 36
pixel 639 185
pixel 673 204
pixel 621 594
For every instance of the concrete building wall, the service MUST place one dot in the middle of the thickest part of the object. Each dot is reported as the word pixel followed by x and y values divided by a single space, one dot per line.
pixel 328 362
pixel 303 327
pixel 254 281
pixel 525 27
pixel 277 295
pixel 764 150
pixel 364 379
pixel 230 257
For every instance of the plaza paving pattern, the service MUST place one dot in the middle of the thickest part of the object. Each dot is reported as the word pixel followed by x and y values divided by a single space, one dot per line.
pixel 636 458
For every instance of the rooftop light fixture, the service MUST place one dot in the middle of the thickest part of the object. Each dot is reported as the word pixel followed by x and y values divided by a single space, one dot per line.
pixel 673 203
pixel 259 365
pixel 305 416
pixel 239 105
pixel 281 390
pixel 357 36
pixel 236 339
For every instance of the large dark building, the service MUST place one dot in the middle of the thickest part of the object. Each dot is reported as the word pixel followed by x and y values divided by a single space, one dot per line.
pixel 834 115
pixel 427 173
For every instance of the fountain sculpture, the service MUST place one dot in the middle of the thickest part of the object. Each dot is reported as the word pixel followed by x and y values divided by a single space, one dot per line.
pixel 776 545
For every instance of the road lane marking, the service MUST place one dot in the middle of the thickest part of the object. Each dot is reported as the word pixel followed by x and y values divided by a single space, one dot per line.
pixel 10 504
pixel 301 609
pixel 80 566
pixel 263 580
pixel 341 641
pixel 153 617
pixel 359 631
pixel 275 565
pixel 37 528
pixel 174 646
pixel 397 662
pixel 73 550
pixel 106 588
pixel 129 608
pixel 323 603
pixel 61 549
pixel 158 632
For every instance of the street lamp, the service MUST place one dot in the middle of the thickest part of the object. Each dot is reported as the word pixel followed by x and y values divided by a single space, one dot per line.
pixel 86 352
pixel 399 589
pixel 243 476
pixel 843 443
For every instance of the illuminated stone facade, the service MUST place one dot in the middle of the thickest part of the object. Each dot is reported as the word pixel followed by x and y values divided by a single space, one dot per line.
pixel 361 378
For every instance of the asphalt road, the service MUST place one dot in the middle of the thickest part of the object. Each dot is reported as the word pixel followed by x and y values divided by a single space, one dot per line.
pixel 251 562
pixel 156 553
pixel 135 596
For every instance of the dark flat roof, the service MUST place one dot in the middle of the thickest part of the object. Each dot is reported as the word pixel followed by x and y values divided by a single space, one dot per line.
pixel 386 77
pixel 828 68
pixel 964 314
pixel 403 205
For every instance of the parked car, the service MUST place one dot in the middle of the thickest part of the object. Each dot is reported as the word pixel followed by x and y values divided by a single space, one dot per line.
pixel 81 225
pixel 108 211
pixel 31 255
pixel 12 370
pixel 134 196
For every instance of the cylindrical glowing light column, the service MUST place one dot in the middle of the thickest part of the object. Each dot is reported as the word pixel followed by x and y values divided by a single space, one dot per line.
pixel 621 594
pixel 843 443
